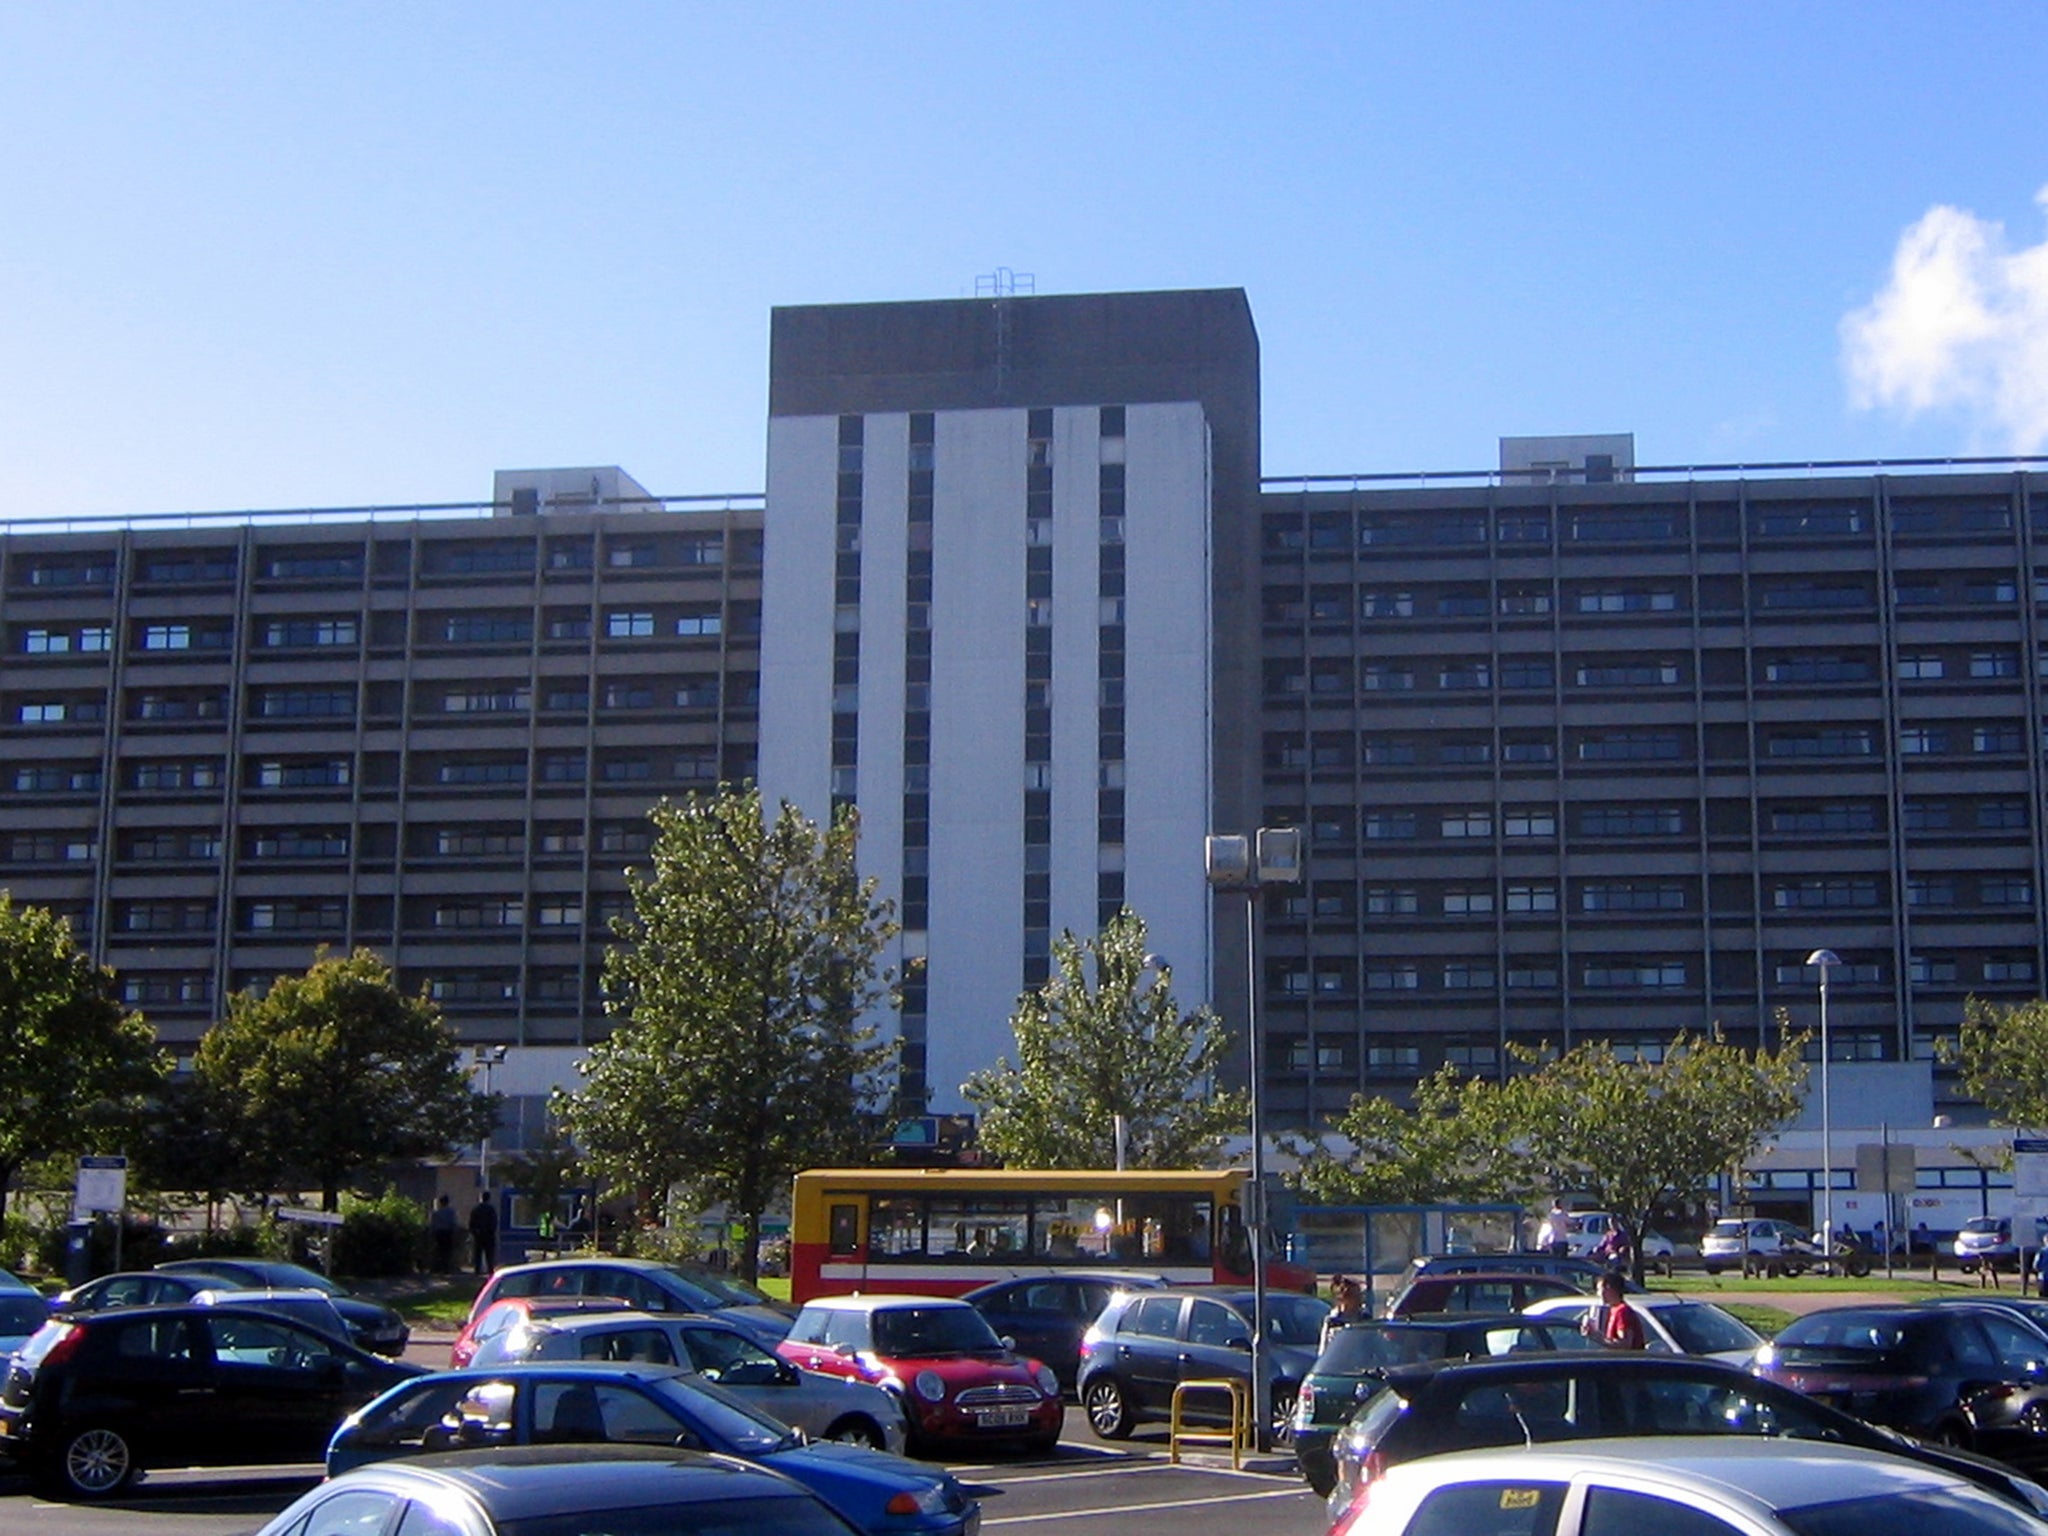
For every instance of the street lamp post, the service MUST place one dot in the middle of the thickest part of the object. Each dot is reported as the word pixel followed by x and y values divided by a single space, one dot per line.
pixel 1246 865
pixel 487 1057
pixel 1825 960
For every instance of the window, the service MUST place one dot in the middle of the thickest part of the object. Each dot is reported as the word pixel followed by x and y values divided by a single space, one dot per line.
pixel 1920 669
pixel 1389 824
pixel 1633 896
pixel 304 703
pixel 628 625
pixel 1922 740
pixel 1528 821
pixel 1631 746
pixel 702 622
pixel 2002 816
pixel 1994 664
pixel 1852 817
pixel 1837 741
pixel 1391 901
pixel 1930 891
pixel 2006 891
pixel 1631 673
pixel 2008 968
pixel 1467 824
pixel 1378 677
pixel 1462 902
pixel 1471 674
pixel 1382 976
pixel 1833 891
pixel 302 773
pixel 487 629
pixel 499 700
pixel 1524 602
pixel 1628 601
pixel 1998 739
pixel 1633 974
pixel 1525 672
pixel 283 633
pixel 1632 820
pixel 1466 975
pixel 1531 898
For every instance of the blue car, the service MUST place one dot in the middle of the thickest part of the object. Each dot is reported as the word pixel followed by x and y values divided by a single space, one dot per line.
pixel 594 1403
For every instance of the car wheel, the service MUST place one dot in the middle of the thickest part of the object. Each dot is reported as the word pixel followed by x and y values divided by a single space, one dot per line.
pixel 858 1431
pixel 1321 1479
pixel 1282 1420
pixel 92 1463
pixel 1108 1408
pixel 1968 1266
pixel 1043 1445
pixel 1663 1264
pixel 1712 1269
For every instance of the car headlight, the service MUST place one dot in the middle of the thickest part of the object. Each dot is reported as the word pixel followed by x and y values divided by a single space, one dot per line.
pixel 931 1386
pixel 1048 1383
pixel 1765 1356
pixel 929 1500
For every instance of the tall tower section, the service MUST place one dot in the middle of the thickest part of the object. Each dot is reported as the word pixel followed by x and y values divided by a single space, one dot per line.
pixel 1009 612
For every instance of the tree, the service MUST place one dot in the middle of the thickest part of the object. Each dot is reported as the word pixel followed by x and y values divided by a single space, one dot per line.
pixel 1627 1133
pixel 739 991
pixel 335 1072
pixel 1095 1048
pixel 2001 1053
pixel 74 1063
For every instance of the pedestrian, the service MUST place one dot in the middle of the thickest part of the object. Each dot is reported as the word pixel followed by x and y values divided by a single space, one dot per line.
pixel 483 1235
pixel 1347 1306
pixel 1612 1322
pixel 1616 1250
pixel 1553 1233
pixel 441 1234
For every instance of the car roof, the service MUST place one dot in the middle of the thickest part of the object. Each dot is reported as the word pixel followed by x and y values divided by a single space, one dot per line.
pixel 1409 1378
pixel 529 1482
pixel 1652 1301
pixel 1127 1279
pixel 590 1322
pixel 864 1302
pixel 1751 1472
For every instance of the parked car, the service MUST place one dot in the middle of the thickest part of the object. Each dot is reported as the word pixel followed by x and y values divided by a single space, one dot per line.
pixel 823 1407
pixel 129 1288
pixel 1678 1325
pixel 956 1380
pixel 94 1398
pixel 313 1308
pixel 1986 1240
pixel 371 1324
pixel 1147 1342
pixel 1969 1376
pixel 1044 1316
pixel 1757 1245
pixel 631 1490
pixel 644 1285
pixel 1359 1355
pixel 1524 1399
pixel 1583 1273
pixel 1585 1231
pixel 1705 1486
pixel 591 1403
pixel 1483 1294
pixel 22 1312
pixel 509 1312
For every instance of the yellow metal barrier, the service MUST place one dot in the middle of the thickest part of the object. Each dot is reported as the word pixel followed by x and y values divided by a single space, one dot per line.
pixel 1238 1437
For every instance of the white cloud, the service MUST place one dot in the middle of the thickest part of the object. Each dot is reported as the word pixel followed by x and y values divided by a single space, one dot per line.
pixel 1961 326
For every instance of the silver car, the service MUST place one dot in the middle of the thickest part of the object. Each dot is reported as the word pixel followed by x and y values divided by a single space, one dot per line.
pixel 823 1407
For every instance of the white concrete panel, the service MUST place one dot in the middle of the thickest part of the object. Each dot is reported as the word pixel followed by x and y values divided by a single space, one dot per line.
pixel 1076 584
pixel 977 740
pixel 885 497
pixel 796 612
pixel 1166 796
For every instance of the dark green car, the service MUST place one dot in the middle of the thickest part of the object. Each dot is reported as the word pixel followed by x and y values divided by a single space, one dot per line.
pixel 1359 1355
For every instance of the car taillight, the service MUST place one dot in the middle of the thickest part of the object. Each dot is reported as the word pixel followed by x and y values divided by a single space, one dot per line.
pixel 1305 1404
pixel 1369 1473
pixel 63 1347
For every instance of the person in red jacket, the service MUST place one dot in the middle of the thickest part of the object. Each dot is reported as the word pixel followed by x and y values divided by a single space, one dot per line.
pixel 1614 1322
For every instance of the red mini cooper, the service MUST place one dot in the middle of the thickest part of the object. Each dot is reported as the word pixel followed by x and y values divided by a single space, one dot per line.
pixel 957 1380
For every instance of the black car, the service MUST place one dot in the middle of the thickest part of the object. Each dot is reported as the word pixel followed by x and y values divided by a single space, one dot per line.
pixel 1044 1316
pixel 1529 1399
pixel 1969 1376
pixel 92 1399
pixel 371 1324
pixel 1584 1273
pixel 623 1490
pixel 1359 1355
pixel 1146 1343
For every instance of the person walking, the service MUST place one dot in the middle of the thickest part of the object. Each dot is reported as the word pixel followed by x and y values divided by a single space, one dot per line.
pixel 1553 1233
pixel 1347 1305
pixel 483 1235
pixel 441 1234
pixel 1613 1323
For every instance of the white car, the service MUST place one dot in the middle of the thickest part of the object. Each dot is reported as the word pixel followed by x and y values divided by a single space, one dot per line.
pixel 1585 1231
pixel 1675 1325
pixel 1722 1485
pixel 1757 1244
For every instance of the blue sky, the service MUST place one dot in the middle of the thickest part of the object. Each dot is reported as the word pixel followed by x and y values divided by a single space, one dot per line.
pixel 263 255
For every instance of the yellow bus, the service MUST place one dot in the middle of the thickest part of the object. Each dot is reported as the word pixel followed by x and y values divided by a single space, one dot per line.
pixel 942 1231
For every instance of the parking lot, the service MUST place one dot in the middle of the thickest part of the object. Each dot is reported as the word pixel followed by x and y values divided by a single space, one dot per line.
pixel 1087 1490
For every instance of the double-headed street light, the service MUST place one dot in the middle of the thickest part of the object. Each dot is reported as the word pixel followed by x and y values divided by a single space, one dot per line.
pixel 1825 960
pixel 1246 865
pixel 487 1057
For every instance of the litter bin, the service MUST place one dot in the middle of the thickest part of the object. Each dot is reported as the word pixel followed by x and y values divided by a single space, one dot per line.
pixel 77 1252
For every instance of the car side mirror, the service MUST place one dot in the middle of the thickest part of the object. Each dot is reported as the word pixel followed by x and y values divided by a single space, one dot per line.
pixel 1237 1341
pixel 844 1351
pixel 785 1374
pixel 1008 1341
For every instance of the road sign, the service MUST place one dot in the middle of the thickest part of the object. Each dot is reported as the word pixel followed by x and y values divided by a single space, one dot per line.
pixel 102 1185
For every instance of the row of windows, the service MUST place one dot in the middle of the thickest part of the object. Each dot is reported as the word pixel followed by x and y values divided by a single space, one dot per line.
pixel 1332 605
pixel 691 765
pixel 1343 900
pixel 1332 751
pixel 340 701
pixel 329 915
pixel 194 989
pixel 394 559
pixel 1346 977
pixel 1335 530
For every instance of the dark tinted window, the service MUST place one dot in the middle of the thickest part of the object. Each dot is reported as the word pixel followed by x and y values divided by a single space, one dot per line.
pixel 1158 1316
pixel 1942 1512
pixel 1491 1509
pixel 796 1515
pixel 1622 1512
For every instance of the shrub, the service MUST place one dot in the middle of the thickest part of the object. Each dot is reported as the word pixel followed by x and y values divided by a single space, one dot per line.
pixel 381 1237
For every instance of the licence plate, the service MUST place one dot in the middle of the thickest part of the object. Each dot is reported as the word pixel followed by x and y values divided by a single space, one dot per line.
pixel 1002 1418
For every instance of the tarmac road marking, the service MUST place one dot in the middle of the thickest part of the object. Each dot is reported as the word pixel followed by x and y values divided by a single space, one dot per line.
pixel 1142 1509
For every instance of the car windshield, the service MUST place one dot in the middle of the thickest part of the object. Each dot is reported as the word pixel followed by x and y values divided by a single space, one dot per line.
pixel 795 1515
pixel 21 1314
pixel 1292 1319
pixel 1726 1229
pixel 1921 1512
pixel 746 1430
pixel 730 1290
pixel 1982 1226
pixel 908 1332
pixel 1702 1329
pixel 1842 1333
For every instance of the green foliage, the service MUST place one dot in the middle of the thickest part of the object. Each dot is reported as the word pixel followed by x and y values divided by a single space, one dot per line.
pixel 262 1240
pixel 547 1171
pixel 2002 1056
pixel 380 1237
pixel 76 1068
pixel 664 1245
pixel 738 990
pixel 1097 1041
pixel 143 1244
pixel 1624 1133
pixel 334 1073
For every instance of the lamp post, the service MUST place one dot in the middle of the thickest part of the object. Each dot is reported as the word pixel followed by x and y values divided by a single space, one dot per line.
pixel 487 1057
pixel 1246 865
pixel 1825 960
pixel 1120 1123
